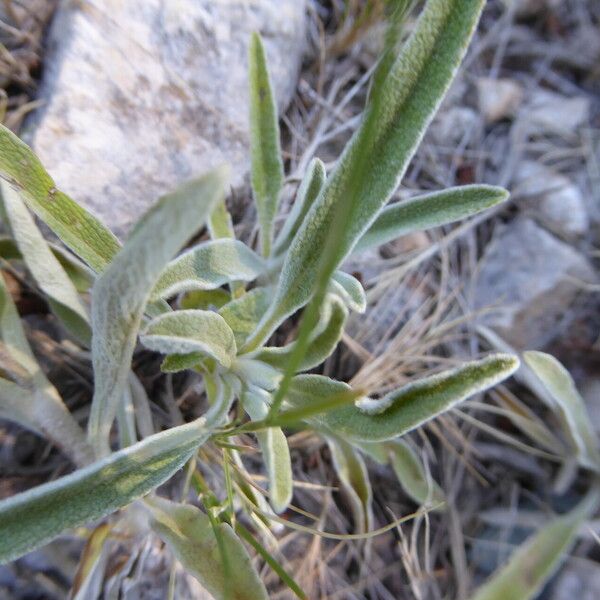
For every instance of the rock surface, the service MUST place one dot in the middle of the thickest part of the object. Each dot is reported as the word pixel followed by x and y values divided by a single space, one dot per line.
pixel 144 94
pixel 529 277
pixel 498 98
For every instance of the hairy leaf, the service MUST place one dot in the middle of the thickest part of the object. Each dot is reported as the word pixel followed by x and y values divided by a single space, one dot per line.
pixel 376 158
pixel 243 314
pixel 405 409
pixel 274 448
pixel 430 210
pixel 83 233
pixel 198 544
pixel 257 373
pixel 265 151
pixel 208 266
pixel 121 293
pixel 559 383
pixel 350 290
pixel 528 569
pixel 186 331
pixel 31 519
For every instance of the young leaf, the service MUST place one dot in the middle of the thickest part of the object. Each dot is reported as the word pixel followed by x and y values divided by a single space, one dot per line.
pixel 122 292
pixel 208 266
pixel 243 314
pixel 354 478
pixel 377 156
pixel 186 331
pixel 350 290
pixel 430 210
pixel 195 543
pixel 412 475
pixel 85 235
pixel 528 569
pixel 559 383
pixel 33 518
pixel 257 373
pixel 309 189
pixel 45 267
pixel 320 347
pixel 405 409
pixel 265 151
pixel 274 448
pixel 219 223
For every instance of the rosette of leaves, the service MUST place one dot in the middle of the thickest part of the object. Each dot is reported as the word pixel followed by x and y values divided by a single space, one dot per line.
pixel 213 309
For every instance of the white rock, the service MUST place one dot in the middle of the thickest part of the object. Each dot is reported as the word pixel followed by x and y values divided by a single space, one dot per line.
pixel 529 279
pixel 498 98
pixel 452 125
pixel 555 113
pixel 143 94
pixel 557 201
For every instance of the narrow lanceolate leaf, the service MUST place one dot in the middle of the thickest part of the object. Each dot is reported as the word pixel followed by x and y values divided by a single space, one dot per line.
pixel 186 331
pixel 265 151
pixel 208 266
pixel 199 546
pixel 559 383
pixel 219 223
pixel 352 471
pixel 350 290
pixel 47 271
pixel 243 314
pixel 412 474
pixel 430 210
pixel 309 189
pixel 377 156
pixel 83 233
pixel 320 347
pixel 405 409
pixel 121 293
pixel 35 517
pixel 530 567
pixel 274 448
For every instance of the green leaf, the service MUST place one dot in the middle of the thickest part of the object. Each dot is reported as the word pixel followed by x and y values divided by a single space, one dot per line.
pixel 85 235
pixel 265 151
pixel 412 476
pixel 274 448
pixel 559 383
pixel 33 518
pixel 208 266
pixel 353 475
pixel 377 156
pixel 320 347
pixel 186 331
pixel 256 372
pixel 350 290
pixel 45 268
pixel 173 363
pixel 430 210
pixel 120 295
pixel 405 409
pixel 204 299
pixel 532 565
pixel 196 545
pixel 243 314
pixel 219 223
pixel 309 189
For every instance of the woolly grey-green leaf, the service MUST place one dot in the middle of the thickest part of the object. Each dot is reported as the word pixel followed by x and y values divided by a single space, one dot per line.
pixel 120 295
pixel 33 518
pixel 243 314
pixel 378 154
pixel 350 290
pixel 186 331
pixel 83 233
pixel 199 545
pixel 430 210
pixel 208 266
pixel 309 189
pixel 559 383
pixel 265 151
pixel 405 409
pixel 256 372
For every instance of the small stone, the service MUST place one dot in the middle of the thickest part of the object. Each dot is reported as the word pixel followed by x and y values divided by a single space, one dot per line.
pixel 454 124
pixel 557 201
pixel 555 113
pixel 527 282
pixel 142 95
pixel 412 242
pixel 498 98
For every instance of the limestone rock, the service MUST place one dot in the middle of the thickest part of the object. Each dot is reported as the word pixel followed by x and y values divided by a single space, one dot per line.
pixel 498 98
pixel 555 198
pixel 144 94
pixel 528 279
